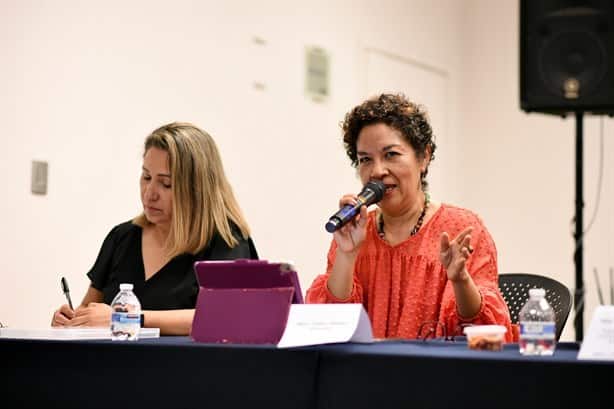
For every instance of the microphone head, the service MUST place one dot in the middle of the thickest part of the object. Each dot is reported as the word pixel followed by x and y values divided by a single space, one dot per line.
pixel 378 188
pixel 332 225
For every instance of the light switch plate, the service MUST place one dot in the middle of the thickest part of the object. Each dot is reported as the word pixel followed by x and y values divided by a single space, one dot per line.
pixel 317 73
pixel 39 177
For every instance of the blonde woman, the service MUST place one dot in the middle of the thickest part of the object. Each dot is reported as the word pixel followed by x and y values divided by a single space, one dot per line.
pixel 189 214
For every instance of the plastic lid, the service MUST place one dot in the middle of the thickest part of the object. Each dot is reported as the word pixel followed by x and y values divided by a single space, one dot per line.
pixel 537 292
pixel 484 330
pixel 124 286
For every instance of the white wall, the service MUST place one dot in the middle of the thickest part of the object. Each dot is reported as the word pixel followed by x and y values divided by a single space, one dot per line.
pixel 83 82
pixel 520 168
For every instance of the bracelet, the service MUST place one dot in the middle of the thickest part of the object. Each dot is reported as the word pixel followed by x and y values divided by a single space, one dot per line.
pixel 142 320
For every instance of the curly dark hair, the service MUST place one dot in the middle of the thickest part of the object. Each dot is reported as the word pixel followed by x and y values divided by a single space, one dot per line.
pixel 397 112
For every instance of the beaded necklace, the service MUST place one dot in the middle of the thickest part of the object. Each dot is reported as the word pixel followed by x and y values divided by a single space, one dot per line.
pixel 414 230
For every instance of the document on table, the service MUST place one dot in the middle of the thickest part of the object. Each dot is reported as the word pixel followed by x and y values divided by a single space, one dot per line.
pixel 314 324
pixel 599 341
pixel 70 333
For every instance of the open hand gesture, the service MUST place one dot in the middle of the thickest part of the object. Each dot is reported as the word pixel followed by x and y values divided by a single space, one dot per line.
pixel 454 254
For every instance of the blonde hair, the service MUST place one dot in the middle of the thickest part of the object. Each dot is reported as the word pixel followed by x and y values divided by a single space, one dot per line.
pixel 203 200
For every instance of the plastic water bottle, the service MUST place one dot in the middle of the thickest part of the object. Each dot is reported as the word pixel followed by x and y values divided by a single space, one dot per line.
pixel 537 325
pixel 125 315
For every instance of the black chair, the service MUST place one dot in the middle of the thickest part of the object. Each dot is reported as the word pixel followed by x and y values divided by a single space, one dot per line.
pixel 515 291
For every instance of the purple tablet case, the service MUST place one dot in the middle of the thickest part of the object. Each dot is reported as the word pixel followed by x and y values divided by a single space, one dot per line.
pixel 243 301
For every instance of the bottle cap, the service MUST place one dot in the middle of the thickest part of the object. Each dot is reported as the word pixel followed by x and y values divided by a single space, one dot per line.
pixel 537 292
pixel 124 286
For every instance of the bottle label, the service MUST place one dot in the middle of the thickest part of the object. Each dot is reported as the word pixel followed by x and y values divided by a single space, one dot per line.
pixel 537 330
pixel 125 326
pixel 126 318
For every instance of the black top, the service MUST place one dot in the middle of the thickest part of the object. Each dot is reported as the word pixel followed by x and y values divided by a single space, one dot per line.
pixel 174 286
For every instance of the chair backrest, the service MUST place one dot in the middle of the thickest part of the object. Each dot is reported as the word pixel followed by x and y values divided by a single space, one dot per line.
pixel 515 291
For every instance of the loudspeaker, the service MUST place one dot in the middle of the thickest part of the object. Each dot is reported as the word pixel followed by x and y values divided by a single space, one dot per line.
pixel 567 56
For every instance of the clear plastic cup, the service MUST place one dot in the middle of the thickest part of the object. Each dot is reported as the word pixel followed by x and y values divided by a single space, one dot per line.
pixel 485 337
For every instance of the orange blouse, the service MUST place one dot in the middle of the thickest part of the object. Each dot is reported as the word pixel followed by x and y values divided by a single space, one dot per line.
pixel 404 286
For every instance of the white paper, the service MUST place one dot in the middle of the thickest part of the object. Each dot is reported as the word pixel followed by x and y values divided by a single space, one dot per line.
pixel 314 324
pixel 70 333
pixel 599 341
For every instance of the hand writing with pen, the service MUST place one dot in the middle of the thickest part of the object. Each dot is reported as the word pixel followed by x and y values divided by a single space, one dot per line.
pixel 93 314
pixel 88 314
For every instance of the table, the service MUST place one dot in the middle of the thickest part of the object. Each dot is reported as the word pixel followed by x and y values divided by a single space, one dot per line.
pixel 167 372
pixel 442 374
pixel 175 372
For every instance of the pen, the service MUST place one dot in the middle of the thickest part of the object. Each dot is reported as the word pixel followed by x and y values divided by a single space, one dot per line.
pixel 66 291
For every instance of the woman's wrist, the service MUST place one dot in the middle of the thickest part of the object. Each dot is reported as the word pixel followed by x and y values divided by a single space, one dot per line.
pixel 341 278
pixel 461 278
pixel 347 256
pixel 468 298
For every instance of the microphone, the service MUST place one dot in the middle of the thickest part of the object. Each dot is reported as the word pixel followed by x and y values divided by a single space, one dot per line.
pixel 371 193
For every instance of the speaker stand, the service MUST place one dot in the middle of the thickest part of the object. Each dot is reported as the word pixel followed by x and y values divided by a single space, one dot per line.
pixel 579 230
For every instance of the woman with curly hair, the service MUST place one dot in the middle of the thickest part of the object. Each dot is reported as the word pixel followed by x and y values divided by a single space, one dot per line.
pixel 412 262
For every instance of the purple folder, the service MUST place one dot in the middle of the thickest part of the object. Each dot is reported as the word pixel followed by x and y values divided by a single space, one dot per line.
pixel 243 301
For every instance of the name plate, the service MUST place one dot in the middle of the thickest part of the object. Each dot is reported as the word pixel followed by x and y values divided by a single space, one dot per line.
pixel 599 341
pixel 314 324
